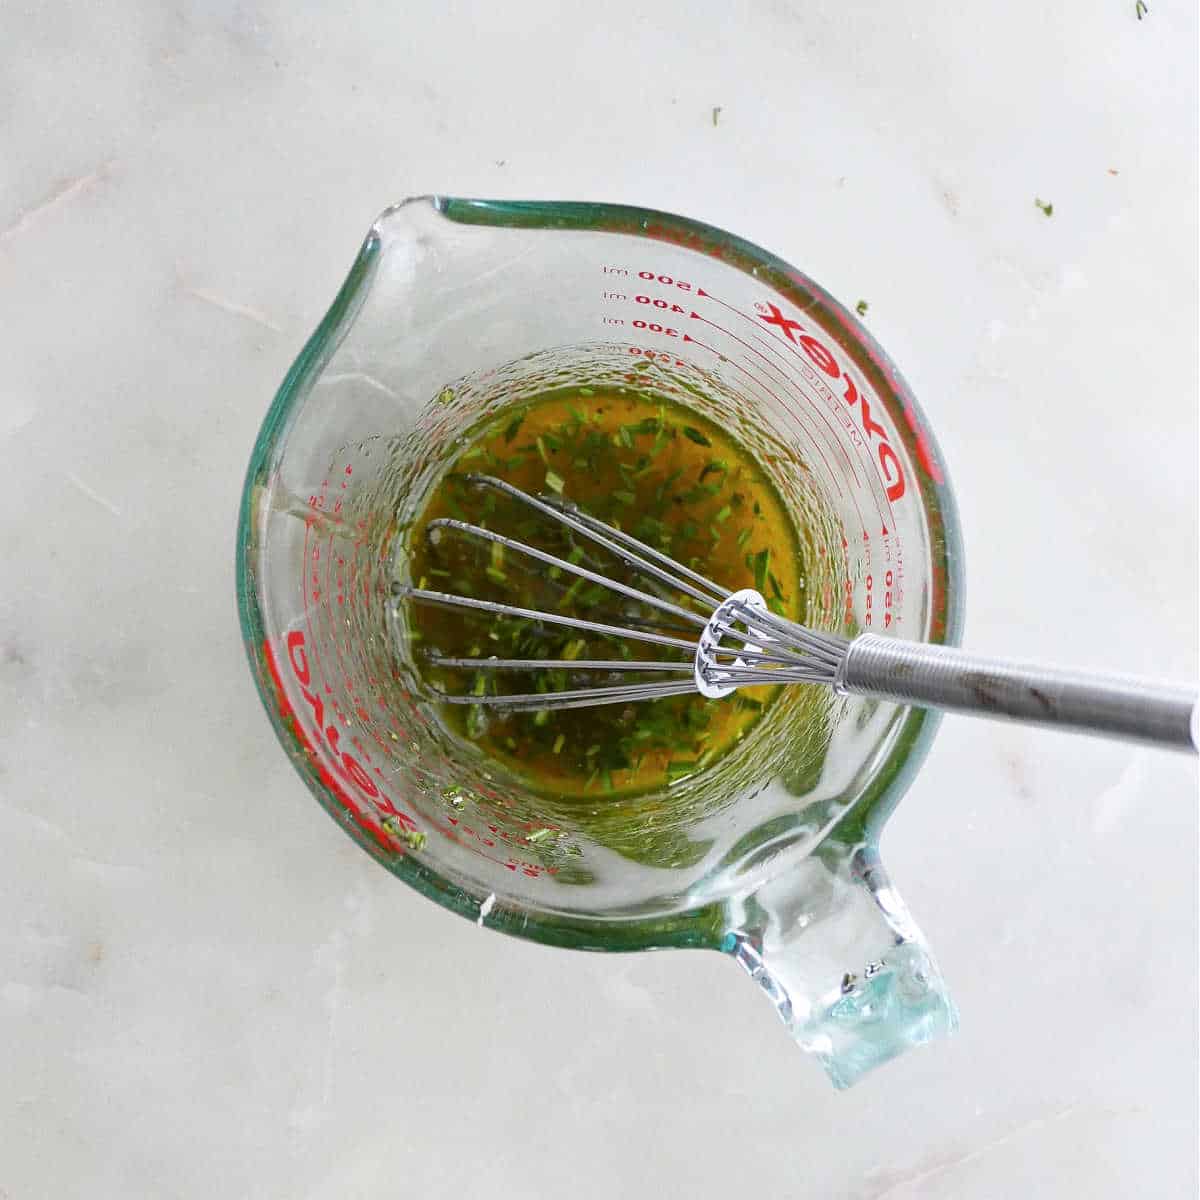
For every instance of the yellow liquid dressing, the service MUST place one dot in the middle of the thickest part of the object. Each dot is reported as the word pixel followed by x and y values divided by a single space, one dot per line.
pixel 658 471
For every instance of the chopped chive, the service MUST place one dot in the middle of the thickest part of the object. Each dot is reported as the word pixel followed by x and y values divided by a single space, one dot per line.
pixel 586 392
pixel 476 722
pixel 542 716
pixel 696 436
pixel 539 835
pixel 743 538
pixel 513 427
pixel 541 447
pixel 495 574
pixel 626 438
pixel 723 514
pixel 775 585
pixel 762 563
pixel 554 482
pixel 559 742
pixel 626 498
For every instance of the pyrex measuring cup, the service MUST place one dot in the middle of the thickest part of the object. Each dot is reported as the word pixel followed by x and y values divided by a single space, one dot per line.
pixel 456 308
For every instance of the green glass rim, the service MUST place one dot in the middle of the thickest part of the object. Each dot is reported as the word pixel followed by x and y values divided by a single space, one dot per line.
pixel 706 926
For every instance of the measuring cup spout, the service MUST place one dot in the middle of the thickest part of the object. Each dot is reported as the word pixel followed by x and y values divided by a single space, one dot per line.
pixel 834 948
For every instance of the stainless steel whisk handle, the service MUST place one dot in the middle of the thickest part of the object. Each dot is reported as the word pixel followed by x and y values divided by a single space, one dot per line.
pixel 951 679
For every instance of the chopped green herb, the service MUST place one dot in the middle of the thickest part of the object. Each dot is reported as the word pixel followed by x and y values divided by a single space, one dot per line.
pixel 861 308
pixel 555 482
pixel 514 427
pixel 695 435
pixel 539 835
pixel 559 742
pixel 762 563
pixel 1047 209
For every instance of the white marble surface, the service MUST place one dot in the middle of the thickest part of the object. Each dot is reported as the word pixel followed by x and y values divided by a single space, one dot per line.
pixel 205 989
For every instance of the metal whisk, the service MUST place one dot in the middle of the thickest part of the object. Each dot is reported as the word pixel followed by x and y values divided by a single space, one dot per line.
pixel 736 641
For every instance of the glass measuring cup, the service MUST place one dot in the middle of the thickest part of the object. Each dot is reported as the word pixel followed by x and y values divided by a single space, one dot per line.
pixel 455 308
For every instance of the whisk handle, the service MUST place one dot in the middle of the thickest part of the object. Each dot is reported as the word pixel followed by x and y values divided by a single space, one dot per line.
pixel 951 679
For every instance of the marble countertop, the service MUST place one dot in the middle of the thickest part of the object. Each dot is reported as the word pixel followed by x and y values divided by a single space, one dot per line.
pixel 205 989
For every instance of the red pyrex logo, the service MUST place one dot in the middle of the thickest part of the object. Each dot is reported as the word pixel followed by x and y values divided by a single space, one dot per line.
pixel 339 770
pixel 823 360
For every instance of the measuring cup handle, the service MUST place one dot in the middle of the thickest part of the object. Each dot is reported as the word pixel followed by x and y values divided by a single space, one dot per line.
pixel 951 679
pixel 844 964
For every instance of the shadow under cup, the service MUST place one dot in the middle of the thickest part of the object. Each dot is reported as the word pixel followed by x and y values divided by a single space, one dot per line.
pixel 457 309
